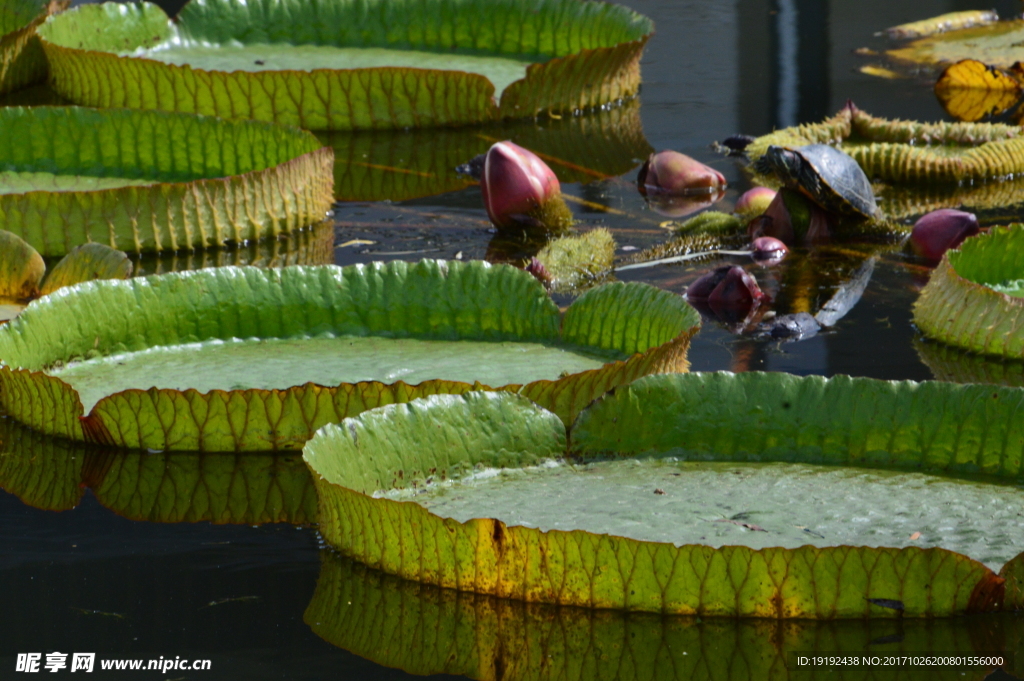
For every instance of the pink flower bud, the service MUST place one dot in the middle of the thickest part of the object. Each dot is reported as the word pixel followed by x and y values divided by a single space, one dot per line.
pixel 755 201
pixel 768 248
pixel 515 184
pixel 941 230
pixel 669 172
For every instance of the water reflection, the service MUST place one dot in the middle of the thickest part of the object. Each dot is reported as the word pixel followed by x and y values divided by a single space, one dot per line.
pixel 953 364
pixel 407 164
pixel 249 488
pixel 426 630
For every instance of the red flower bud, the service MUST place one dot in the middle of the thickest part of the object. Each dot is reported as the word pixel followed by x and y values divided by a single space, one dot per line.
pixel 515 185
pixel 941 230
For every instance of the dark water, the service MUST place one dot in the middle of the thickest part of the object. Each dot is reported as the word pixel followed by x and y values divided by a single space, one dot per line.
pixel 129 584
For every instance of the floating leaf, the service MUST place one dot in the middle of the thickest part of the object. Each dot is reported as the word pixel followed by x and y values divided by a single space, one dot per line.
pixel 22 61
pixel 953 21
pixel 931 426
pixel 147 181
pixel 997 44
pixel 417 64
pixel 961 305
pixel 446 437
pixel 465 321
pixel 87 263
pixel 969 90
pixel 424 630
pixel 899 151
pixel 21 268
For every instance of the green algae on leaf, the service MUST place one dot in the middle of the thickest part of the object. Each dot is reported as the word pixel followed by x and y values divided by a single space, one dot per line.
pixel 22 61
pixel 631 330
pixel 425 630
pixel 357 463
pixel 969 299
pixel 576 262
pixel 338 65
pixel 151 181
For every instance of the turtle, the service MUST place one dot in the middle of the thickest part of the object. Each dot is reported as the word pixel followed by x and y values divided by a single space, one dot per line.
pixel 829 177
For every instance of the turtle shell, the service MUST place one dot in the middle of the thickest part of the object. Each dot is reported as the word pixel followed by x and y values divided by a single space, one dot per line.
pixel 829 177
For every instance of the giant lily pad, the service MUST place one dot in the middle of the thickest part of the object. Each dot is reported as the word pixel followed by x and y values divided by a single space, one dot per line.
pixel 22 61
pixel 370 477
pixel 333 65
pixel 53 474
pixel 973 299
pixel 896 151
pixel 252 359
pixel 426 630
pixel 151 181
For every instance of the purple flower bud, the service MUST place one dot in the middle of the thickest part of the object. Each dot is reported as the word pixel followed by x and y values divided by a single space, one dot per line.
pixel 515 184
pixel 669 172
pixel 737 290
pixel 700 290
pixel 941 230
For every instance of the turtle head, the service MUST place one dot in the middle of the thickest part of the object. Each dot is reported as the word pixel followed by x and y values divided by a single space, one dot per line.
pixel 779 161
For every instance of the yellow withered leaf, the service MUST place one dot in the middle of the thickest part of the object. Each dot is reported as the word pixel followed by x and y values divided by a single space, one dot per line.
pixel 970 90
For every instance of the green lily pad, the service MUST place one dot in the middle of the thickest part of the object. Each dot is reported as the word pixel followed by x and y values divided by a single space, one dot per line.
pixel 22 61
pixel 367 472
pixel 397 165
pixel 425 630
pixel 53 474
pixel 911 152
pixel 283 352
pixel 147 181
pixel 971 299
pixel 87 262
pixel 997 44
pixel 341 66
